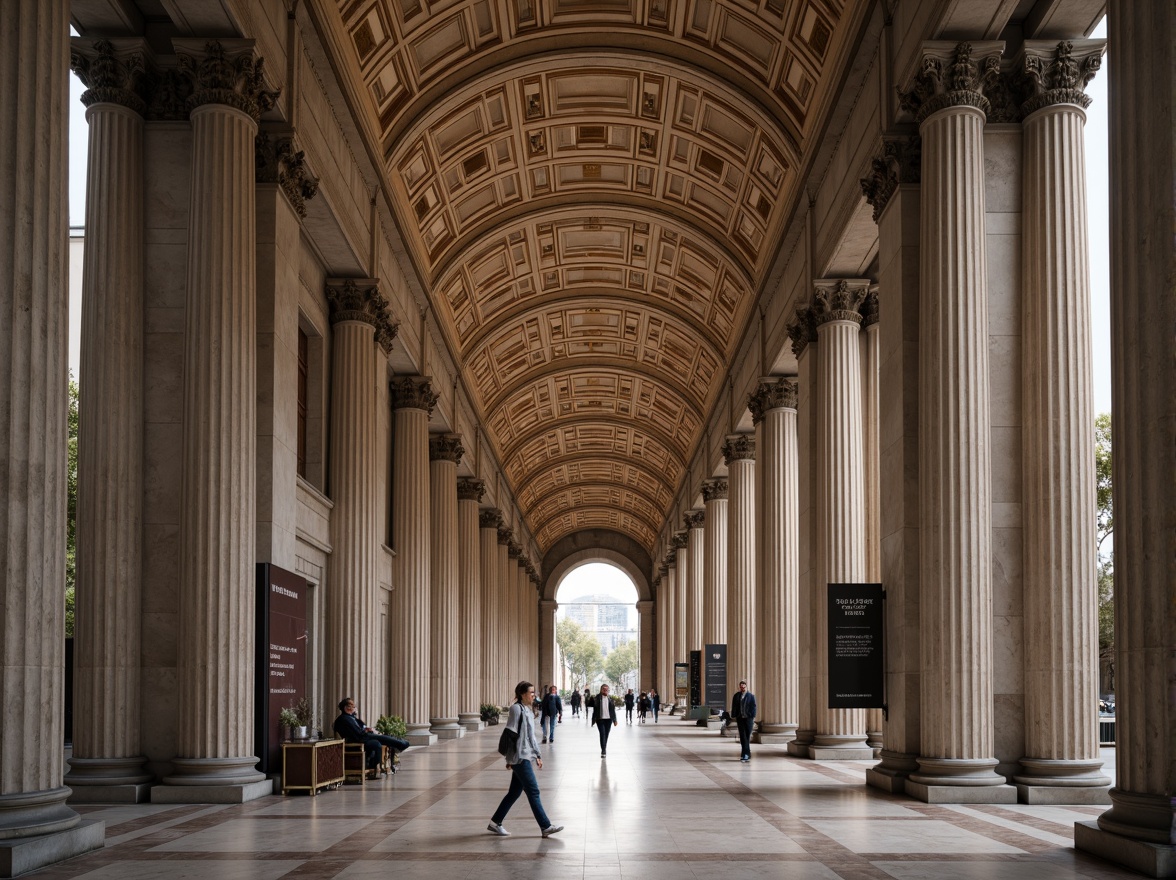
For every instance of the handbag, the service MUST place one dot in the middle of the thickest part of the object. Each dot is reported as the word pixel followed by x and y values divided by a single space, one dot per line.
pixel 508 740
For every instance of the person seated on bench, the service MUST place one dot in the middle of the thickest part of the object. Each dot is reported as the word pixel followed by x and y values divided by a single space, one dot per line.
pixel 350 727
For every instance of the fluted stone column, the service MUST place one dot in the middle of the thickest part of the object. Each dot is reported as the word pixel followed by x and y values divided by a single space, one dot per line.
pixel 445 451
pixel 773 410
pixel 646 672
pixel 491 663
pixel 106 764
pixel 1139 830
pixel 670 580
pixel 872 485
pixel 33 401
pixel 359 316
pixel 695 522
pixel 682 579
pixel 1062 763
pixel 659 593
pixel 413 400
pixel 506 632
pixel 841 733
pixel 526 656
pixel 802 330
pixel 548 672
pixel 892 189
pixel 956 760
pixel 739 454
pixel 714 586
pixel 218 461
pixel 471 619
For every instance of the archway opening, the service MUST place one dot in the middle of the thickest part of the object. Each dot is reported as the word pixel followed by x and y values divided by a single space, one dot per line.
pixel 597 631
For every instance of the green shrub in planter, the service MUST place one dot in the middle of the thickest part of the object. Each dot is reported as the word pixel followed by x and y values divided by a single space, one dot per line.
pixel 489 713
pixel 392 725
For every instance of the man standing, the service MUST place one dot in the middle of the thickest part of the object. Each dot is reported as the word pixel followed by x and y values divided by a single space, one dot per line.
pixel 551 710
pixel 743 711
pixel 655 702
pixel 575 702
pixel 605 715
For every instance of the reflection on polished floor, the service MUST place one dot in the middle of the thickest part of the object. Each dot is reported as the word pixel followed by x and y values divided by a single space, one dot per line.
pixel 669 801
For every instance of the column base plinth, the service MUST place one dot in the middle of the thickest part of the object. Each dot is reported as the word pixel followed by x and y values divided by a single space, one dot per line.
pixel 106 772
pixel 420 735
pixel 19 855
pixel 839 753
pixel 446 728
pixel 775 734
pixel 118 793
pixel 799 747
pixel 214 772
pixel 471 721
pixel 211 794
pixel 1149 859
pixel 35 813
pixel 1063 794
pixel 891 774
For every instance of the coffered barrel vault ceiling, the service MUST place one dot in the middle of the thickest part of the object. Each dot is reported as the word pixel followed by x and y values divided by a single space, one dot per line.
pixel 593 194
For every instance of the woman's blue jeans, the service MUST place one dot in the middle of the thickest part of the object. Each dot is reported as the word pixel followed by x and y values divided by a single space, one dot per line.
pixel 522 778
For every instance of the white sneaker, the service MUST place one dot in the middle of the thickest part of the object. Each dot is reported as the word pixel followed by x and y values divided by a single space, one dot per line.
pixel 552 829
pixel 498 829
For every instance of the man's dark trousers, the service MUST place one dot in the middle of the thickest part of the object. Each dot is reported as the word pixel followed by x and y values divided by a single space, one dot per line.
pixel 745 724
pixel 605 727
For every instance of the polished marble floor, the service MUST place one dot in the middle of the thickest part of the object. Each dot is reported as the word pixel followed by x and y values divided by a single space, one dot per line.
pixel 669 801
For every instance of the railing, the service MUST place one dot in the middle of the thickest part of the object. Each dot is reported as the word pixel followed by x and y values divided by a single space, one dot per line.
pixel 1106 730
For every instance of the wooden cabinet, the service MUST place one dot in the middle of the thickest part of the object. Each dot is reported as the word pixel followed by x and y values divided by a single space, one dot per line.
pixel 310 766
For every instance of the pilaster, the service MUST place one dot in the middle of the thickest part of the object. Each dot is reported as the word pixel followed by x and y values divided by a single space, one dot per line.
pixel 507 633
pixel 739 455
pixel 471 618
pixel 679 543
pixel 695 523
pixel 413 400
pixel 1139 830
pixel 445 452
pixel 714 588
pixel 488 690
pixel 107 763
pixel 871 481
pixel 646 673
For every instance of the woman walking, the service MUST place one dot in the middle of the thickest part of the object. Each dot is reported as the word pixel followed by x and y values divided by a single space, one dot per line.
pixel 522 778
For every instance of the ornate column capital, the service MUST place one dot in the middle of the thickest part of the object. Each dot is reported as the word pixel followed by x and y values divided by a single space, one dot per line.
pixel 469 489
pixel 280 161
pixel 679 540
pixel 505 535
pixel 952 75
pixel 671 560
pixel 1058 73
pixel 870 307
pixel 839 300
pixel 513 549
pixel 225 72
pixel 446 447
pixel 694 519
pixel 739 447
pixel 802 329
pixel 771 393
pixel 359 299
pixel 899 163
pixel 715 490
pixel 113 72
pixel 490 518
pixel 413 392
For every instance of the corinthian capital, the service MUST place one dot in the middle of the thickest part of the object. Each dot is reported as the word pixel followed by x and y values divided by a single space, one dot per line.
pixel 1058 73
pixel 839 300
pixel 771 394
pixel 359 299
pixel 739 447
pixel 870 307
pixel 898 164
pixel 413 392
pixel 225 72
pixel 953 75
pixel 694 519
pixel 469 489
pixel 679 540
pixel 280 162
pixel 715 490
pixel 446 447
pixel 113 72
pixel 802 329
pixel 490 519
pixel 505 535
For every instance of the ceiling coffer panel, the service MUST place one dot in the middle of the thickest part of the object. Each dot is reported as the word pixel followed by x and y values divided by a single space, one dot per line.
pixel 584 442
pixel 595 518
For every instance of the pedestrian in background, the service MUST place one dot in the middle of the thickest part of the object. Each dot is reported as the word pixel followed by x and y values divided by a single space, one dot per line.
pixel 551 713
pixel 605 714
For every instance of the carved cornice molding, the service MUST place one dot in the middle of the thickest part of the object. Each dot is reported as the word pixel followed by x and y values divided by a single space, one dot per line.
pixel 470 489
pixel 235 77
pixel 771 394
pixel 802 329
pixel 671 560
pixel 953 75
pixel 446 447
pixel 514 550
pixel 280 161
pixel 359 299
pixel 739 447
pixel 899 163
pixel 1058 73
pixel 112 74
pixel 505 535
pixel 715 490
pixel 694 519
pixel 870 307
pixel 679 540
pixel 839 300
pixel 413 392
pixel 490 519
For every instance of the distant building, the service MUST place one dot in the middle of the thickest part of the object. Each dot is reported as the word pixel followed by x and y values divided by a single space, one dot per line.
pixel 612 622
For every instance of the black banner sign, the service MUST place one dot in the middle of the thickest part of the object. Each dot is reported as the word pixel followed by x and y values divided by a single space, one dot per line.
pixel 695 678
pixel 715 671
pixel 281 656
pixel 856 667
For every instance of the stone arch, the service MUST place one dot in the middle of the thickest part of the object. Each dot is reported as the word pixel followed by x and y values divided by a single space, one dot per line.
pixel 597 545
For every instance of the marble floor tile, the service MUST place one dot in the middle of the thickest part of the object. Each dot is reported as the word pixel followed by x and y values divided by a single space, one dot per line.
pixel 907 836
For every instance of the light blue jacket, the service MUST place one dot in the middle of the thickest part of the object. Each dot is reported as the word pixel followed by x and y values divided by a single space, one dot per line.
pixel 528 748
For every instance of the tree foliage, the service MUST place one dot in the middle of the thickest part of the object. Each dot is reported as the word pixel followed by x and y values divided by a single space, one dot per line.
pixel 1104 529
pixel 620 664
pixel 71 520
pixel 580 651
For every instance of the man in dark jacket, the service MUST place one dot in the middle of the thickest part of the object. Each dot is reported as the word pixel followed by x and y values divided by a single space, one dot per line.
pixel 743 712
pixel 350 727
pixel 605 715
pixel 550 711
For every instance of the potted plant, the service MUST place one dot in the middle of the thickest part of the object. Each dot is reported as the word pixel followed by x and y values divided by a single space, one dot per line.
pixel 489 713
pixel 288 720
pixel 305 716
pixel 392 725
